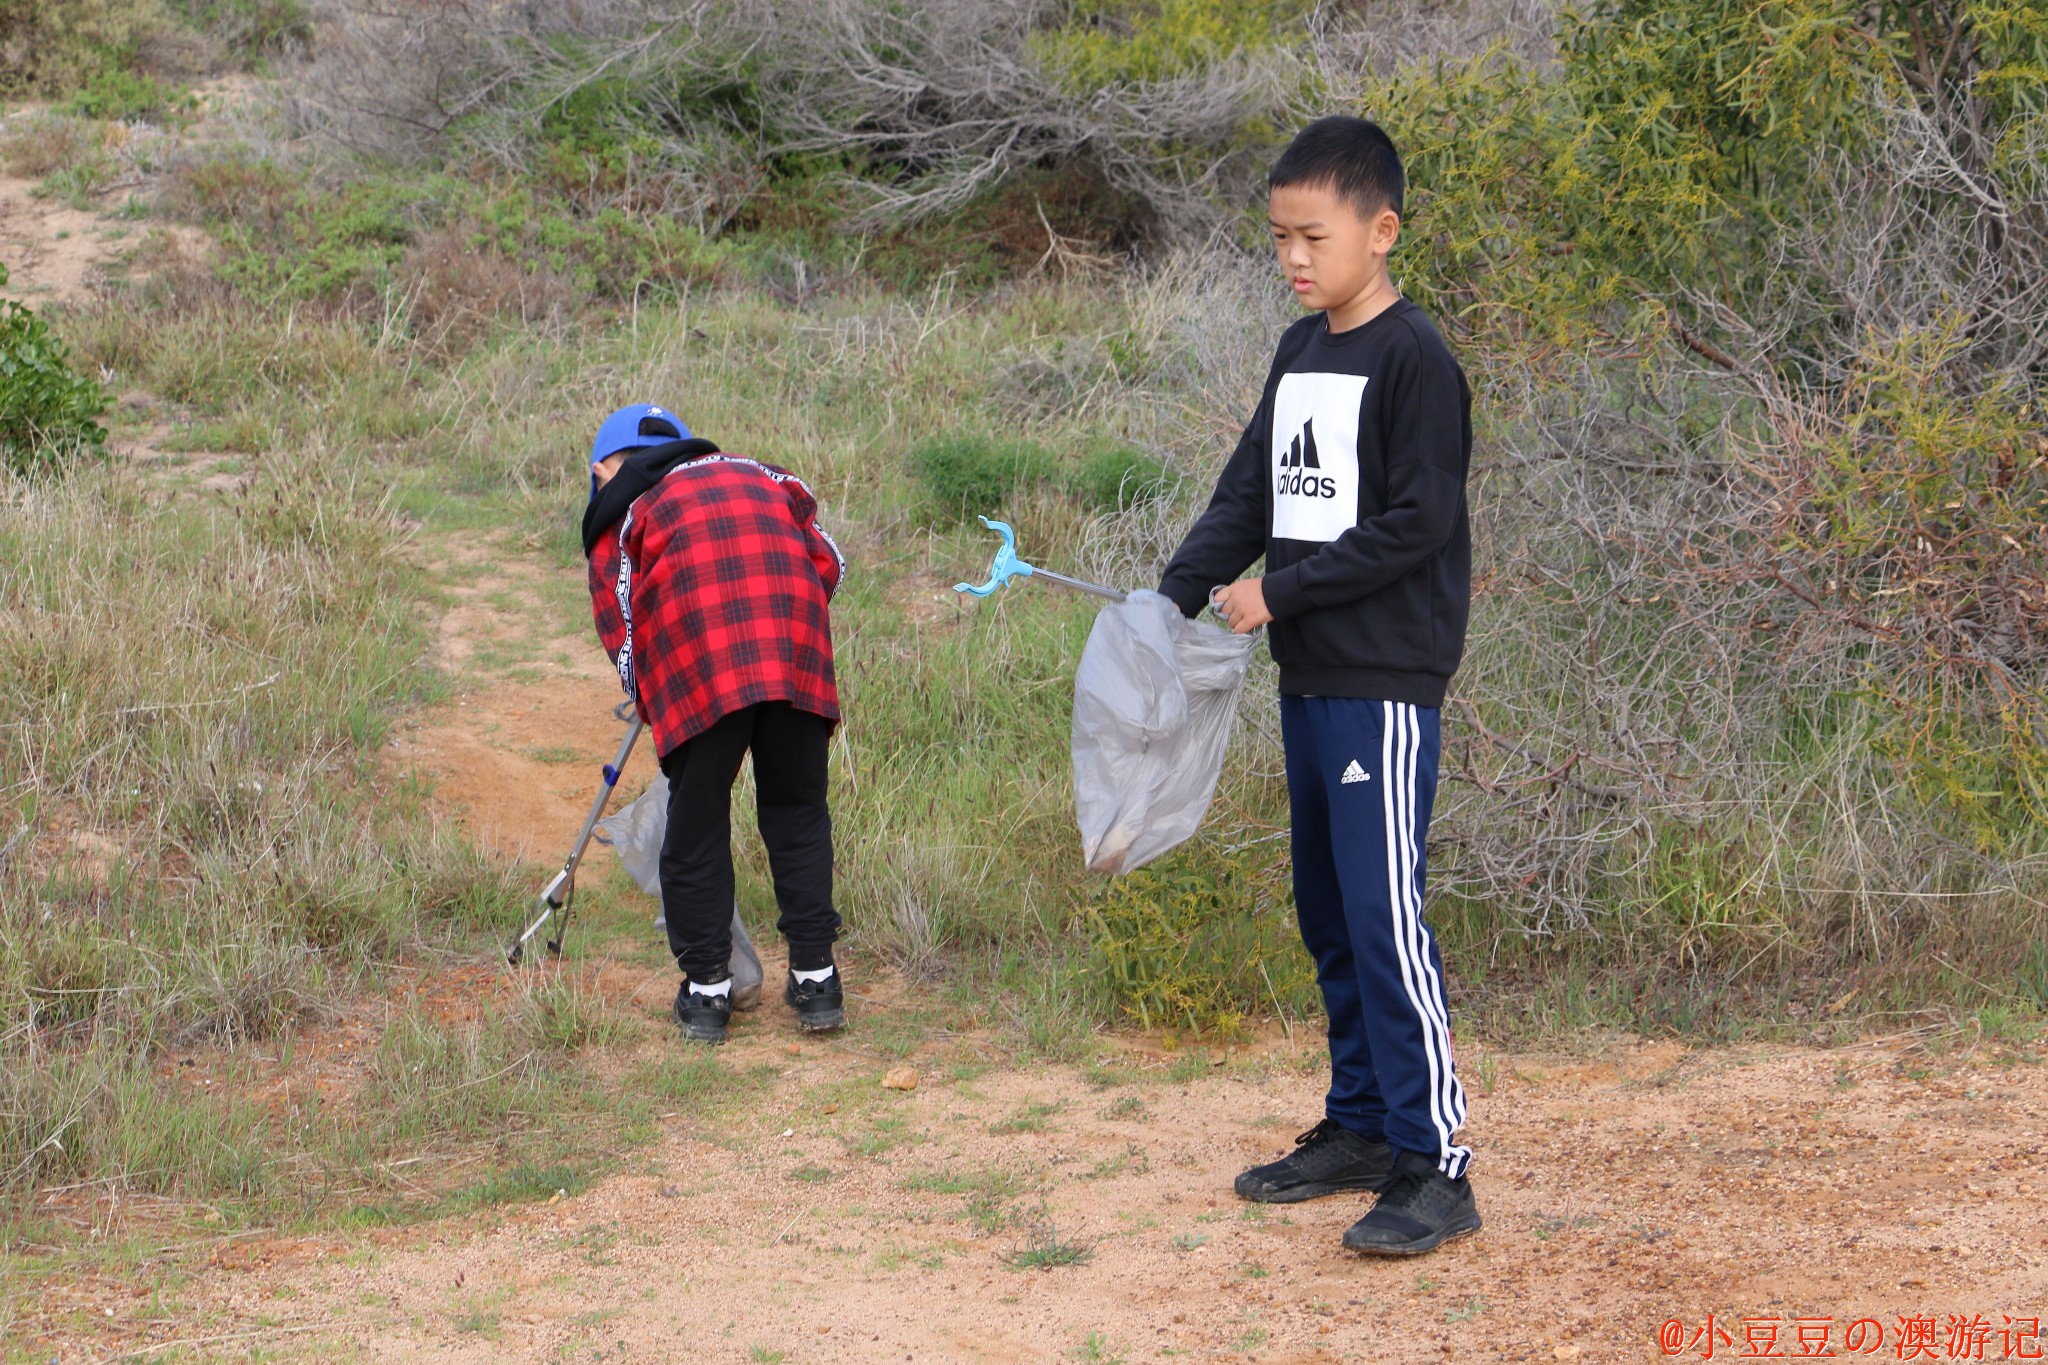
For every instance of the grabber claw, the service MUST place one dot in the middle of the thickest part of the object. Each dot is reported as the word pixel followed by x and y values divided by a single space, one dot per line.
pixel 559 894
pixel 1006 566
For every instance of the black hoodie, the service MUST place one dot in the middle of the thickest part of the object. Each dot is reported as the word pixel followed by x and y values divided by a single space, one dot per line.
pixel 1350 480
pixel 642 468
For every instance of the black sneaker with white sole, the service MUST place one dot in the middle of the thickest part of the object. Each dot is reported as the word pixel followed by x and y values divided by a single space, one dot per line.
pixel 1327 1159
pixel 702 1018
pixel 820 1005
pixel 1421 1209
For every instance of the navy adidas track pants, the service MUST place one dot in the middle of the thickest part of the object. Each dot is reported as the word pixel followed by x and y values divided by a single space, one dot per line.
pixel 1361 778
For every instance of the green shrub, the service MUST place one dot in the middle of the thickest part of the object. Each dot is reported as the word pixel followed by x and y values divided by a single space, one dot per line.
pixel 249 30
pixel 1202 941
pixel 965 474
pixel 117 93
pixel 49 413
pixel 1112 42
pixel 1114 477
pixel 50 50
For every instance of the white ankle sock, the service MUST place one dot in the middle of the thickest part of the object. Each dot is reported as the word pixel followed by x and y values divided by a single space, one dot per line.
pixel 822 974
pixel 715 988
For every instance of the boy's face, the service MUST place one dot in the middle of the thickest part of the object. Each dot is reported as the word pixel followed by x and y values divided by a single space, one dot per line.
pixel 1331 255
pixel 603 470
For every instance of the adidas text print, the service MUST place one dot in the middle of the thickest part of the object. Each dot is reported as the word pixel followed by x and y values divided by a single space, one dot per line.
pixel 1350 480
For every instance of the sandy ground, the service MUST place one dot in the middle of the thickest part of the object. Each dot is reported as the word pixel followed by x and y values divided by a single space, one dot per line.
pixel 53 251
pixel 516 758
pixel 1796 1195
pixel 834 1220
pixel 56 253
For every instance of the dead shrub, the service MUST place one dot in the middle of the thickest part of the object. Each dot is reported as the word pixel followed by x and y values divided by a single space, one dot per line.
pixel 39 144
pixel 459 289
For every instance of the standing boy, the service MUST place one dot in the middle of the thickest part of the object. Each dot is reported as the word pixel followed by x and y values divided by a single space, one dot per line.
pixel 710 578
pixel 1350 480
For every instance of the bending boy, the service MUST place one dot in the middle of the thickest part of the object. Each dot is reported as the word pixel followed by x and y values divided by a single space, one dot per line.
pixel 710 579
pixel 1350 481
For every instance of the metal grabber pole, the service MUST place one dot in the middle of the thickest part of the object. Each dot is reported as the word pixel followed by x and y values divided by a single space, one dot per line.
pixel 555 898
pixel 1006 566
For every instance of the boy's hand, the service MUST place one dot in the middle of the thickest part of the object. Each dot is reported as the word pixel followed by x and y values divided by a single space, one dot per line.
pixel 1242 606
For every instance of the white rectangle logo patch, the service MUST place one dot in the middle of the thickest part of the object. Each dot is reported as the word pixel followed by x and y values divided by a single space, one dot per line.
pixel 1315 455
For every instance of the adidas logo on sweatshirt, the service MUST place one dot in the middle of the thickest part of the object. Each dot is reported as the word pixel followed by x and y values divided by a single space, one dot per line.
pixel 1354 773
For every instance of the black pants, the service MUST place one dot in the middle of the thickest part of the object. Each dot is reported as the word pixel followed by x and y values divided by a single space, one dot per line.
pixel 789 748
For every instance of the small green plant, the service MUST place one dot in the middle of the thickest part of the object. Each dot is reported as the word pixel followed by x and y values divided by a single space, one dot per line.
pixel 568 1015
pixel 1469 1311
pixel 1095 1347
pixel 990 1213
pixel 1126 1107
pixel 762 1355
pixel 1114 478
pixel 596 1242
pixel 1048 1250
pixel 127 96
pixel 49 413
pixel 482 1314
pixel 1188 1241
pixel 962 475
pixel 1550 1226
pixel 1030 1118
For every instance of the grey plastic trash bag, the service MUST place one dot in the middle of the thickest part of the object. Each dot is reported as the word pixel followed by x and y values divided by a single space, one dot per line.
pixel 635 833
pixel 1154 700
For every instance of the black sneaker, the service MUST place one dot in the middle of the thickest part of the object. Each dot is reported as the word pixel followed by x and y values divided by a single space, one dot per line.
pixel 1327 1159
pixel 820 1005
pixel 1421 1209
pixel 702 1018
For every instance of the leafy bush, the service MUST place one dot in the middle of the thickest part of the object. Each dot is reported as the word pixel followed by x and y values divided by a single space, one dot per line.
pixel 50 50
pixel 250 30
pixel 49 413
pixel 919 109
pixel 36 146
pixel 1113 477
pixel 964 475
pixel 1119 42
pixel 1202 941
pixel 117 93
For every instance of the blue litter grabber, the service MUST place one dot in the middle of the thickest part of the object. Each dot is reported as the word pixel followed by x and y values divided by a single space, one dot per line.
pixel 1006 566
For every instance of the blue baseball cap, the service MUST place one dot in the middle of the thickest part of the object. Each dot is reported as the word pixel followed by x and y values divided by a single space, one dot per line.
pixel 642 424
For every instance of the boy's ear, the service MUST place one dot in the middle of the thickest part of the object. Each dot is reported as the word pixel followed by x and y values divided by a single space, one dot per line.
pixel 1386 230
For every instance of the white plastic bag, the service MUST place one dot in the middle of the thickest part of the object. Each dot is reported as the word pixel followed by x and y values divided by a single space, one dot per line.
pixel 1154 700
pixel 636 833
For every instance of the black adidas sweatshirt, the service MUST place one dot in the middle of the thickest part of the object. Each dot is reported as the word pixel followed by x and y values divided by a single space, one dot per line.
pixel 1350 480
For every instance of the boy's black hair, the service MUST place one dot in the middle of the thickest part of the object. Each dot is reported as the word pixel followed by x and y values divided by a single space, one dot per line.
pixel 1353 157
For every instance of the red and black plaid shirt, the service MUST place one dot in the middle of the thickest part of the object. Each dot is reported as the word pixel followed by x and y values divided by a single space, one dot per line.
pixel 711 596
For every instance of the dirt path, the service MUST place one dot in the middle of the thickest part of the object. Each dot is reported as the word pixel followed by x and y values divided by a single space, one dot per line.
pixel 799 1211
pixel 824 1218
pixel 516 756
